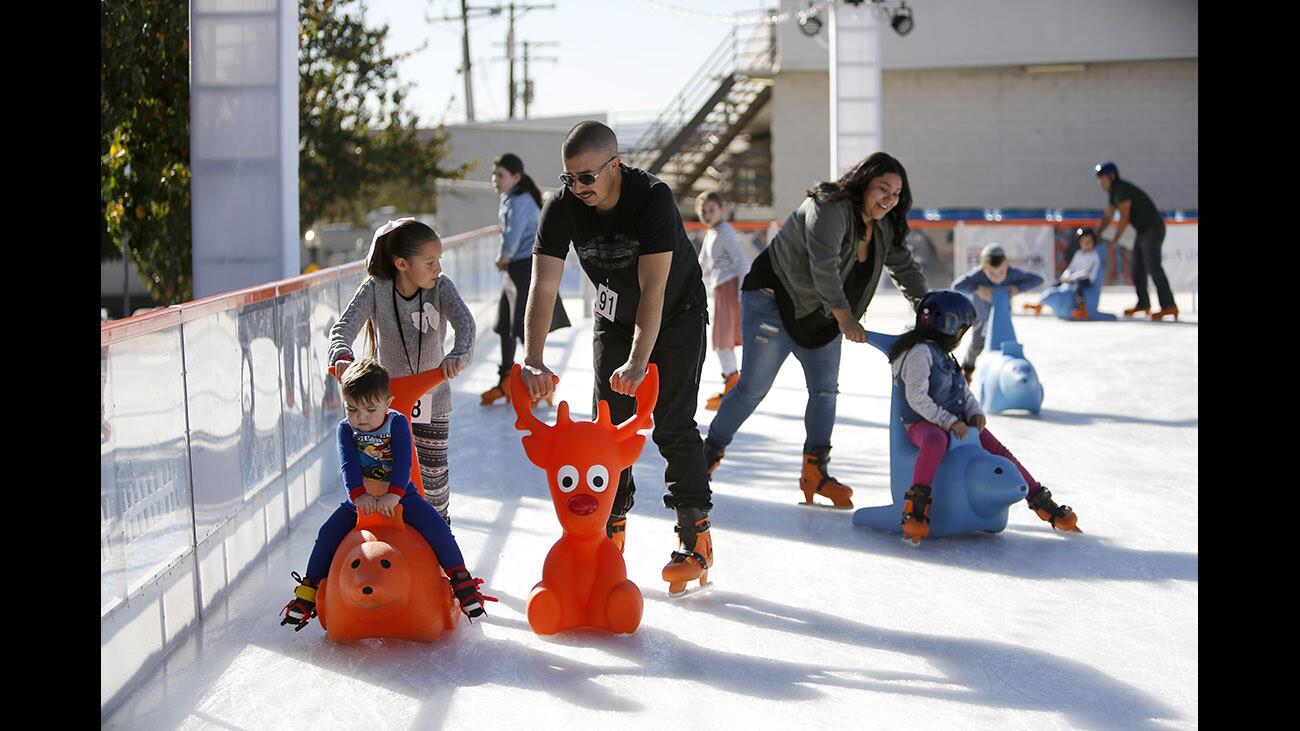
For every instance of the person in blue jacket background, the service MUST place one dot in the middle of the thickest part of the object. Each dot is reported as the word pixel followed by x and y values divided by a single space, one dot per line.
pixel 995 270
pixel 521 202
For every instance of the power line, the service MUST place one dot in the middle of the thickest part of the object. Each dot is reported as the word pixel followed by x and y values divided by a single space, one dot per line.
pixel 516 11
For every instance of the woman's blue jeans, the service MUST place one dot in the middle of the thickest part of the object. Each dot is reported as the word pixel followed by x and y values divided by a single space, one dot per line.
pixel 766 346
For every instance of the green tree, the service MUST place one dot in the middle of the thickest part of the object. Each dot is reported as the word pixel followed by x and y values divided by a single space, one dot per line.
pixel 144 142
pixel 358 145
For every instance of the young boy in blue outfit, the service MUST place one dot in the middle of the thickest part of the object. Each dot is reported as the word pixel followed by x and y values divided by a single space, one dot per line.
pixel 375 456
pixel 995 270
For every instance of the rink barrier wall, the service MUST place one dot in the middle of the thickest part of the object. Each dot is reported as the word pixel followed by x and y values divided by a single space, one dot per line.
pixel 1040 241
pixel 217 433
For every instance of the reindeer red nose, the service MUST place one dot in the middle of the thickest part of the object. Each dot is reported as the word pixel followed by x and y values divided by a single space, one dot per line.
pixel 582 505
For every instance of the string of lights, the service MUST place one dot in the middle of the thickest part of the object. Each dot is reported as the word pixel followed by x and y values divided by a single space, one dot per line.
pixel 809 19
pixel 770 18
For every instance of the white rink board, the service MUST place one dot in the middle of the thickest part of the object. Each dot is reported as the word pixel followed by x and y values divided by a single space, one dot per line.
pixel 811 623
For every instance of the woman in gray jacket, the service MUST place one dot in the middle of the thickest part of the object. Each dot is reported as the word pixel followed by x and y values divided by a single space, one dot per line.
pixel 807 291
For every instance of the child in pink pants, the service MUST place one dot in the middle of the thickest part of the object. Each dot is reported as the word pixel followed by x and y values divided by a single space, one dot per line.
pixel 938 400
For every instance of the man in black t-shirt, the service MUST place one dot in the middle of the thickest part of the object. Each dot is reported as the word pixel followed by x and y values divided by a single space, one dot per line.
pixel 650 308
pixel 1136 208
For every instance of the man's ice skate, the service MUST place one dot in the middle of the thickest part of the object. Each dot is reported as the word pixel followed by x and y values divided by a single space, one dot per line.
pixel 1133 311
pixel 499 391
pixel 916 514
pixel 815 481
pixel 1164 312
pixel 1061 517
pixel 616 529
pixel 695 556
pixel 728 383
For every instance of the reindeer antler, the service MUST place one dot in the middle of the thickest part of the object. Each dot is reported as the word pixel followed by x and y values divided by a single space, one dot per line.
pixel 522 402
pixel 647 395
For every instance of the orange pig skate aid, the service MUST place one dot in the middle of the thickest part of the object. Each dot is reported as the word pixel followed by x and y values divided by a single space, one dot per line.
pixel 584 580
pixel 385 581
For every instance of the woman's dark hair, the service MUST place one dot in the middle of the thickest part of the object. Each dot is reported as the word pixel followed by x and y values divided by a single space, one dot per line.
pixel 511 163
pixel 920 333
pixel 404 241
pixel 853 185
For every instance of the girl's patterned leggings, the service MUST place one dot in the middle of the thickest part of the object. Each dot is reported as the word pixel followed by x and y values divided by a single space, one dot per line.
pixel 431 452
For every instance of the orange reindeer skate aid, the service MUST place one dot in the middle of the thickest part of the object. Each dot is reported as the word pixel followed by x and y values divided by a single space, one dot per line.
pixel 584 580
pixel 406 391
pixel 385 581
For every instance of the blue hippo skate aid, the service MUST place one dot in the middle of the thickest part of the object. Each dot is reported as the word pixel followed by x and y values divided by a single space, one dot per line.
pixel 973 489
pixel 1060 299
pixel 1005 379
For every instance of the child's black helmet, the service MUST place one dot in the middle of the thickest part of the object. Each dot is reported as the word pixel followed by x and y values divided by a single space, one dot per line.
pixel 945 310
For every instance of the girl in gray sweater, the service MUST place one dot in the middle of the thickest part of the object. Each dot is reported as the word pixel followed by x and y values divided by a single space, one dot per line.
pixel 405 305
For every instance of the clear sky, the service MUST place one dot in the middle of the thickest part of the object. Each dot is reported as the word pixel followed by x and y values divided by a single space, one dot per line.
pixel 627 58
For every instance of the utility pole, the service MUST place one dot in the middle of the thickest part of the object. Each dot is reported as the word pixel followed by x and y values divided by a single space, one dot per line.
pixel 528 81
pixel 469 85
pixel 515 11
pixel 510 54
pixel 465 13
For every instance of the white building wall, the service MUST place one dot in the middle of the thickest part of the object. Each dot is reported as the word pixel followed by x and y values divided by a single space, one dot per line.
pixel 986 137
pixel 1005 32
pixel 464 205
pixel 975 128
pixel 801 150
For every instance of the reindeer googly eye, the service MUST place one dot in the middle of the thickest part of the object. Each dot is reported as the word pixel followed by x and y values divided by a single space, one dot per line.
pixel 567 478
pixel 598 478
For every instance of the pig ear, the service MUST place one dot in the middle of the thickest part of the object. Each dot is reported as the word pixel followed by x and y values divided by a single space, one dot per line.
pixel 629 450
pixel 537 447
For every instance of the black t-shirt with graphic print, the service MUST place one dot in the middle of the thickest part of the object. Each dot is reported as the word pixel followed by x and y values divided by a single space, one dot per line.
pixel 644 221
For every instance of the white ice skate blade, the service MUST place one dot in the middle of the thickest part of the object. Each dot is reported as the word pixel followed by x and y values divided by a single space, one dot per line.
pixel 689 591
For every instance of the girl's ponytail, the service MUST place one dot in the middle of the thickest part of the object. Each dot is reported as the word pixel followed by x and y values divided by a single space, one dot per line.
pixel 528 186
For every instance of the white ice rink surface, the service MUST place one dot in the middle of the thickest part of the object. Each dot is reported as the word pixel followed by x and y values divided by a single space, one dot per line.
pixel 810 622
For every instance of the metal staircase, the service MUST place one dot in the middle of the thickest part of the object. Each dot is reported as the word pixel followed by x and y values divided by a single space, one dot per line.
pixel 696 135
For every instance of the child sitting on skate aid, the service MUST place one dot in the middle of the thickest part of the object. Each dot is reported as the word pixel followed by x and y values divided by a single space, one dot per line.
pixel 375 446
pixel 937 400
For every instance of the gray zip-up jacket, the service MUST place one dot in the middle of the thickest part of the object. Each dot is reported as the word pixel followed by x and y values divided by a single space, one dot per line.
pixel 816 248
pixel 441 304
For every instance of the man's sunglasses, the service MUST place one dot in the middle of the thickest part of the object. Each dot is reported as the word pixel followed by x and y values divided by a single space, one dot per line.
pixel 585 178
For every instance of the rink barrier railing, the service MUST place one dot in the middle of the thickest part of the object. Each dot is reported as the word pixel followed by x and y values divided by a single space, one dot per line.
pixel 217 426
pixel 755 235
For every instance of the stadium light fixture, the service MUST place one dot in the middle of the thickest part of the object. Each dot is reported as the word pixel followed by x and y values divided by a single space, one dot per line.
pixel 810 22
pixel 902 21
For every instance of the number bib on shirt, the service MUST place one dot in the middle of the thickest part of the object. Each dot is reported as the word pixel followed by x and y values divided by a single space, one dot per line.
pixel 422 411
pixel 606 302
